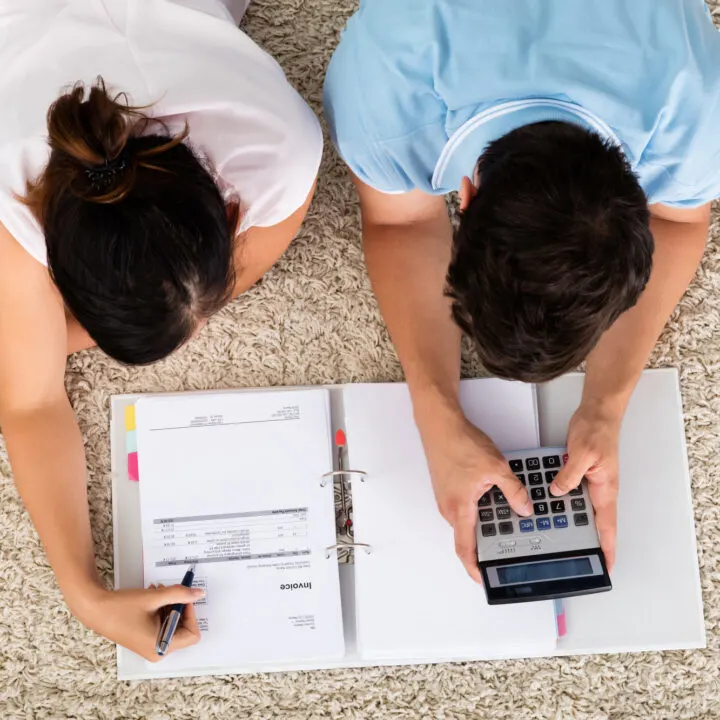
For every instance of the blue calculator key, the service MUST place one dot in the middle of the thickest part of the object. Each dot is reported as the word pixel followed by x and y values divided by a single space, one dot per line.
pixel 543 523
pixel 526 525
pixel 560 521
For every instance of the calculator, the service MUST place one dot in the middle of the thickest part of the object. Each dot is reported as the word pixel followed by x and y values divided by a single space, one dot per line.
pixel 554 553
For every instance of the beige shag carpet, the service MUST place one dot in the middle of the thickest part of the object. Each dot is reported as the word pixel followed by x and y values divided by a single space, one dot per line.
pixel 314 320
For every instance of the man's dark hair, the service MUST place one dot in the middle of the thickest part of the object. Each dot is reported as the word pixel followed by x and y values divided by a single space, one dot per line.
pixel 553 248
pixel 139 239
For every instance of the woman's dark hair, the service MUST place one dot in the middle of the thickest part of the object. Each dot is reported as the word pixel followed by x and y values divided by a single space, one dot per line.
pixel 553 248
pixel 140 242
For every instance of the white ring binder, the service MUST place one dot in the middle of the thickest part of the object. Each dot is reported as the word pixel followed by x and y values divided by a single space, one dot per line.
pixel 338 473
pixel 329 549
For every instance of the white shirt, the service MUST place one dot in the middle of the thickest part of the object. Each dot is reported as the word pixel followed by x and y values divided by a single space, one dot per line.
pixel 184 59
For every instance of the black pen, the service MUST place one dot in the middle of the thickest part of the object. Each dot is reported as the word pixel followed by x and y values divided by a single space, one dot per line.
pixel 172 619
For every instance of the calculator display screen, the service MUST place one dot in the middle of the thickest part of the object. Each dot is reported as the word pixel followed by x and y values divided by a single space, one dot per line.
pixel 540 571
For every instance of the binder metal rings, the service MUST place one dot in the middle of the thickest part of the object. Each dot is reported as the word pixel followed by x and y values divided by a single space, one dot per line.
pixel 331 548
pixel 339 473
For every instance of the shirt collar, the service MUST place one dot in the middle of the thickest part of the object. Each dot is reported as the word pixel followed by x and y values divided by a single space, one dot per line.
pixel 469 141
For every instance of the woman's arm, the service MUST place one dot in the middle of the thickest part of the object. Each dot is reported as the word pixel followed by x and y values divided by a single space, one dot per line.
pixel 260 248
pixel 48 461
pixel 43 439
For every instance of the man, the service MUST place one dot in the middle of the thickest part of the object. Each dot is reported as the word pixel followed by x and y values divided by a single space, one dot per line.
pixel 584 139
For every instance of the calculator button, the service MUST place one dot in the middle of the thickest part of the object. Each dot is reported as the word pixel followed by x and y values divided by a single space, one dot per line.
pixel 485 500
pixel 541 508
pixel 560 521
pixel 499 498
pixel 486 515
pixel 488 530
pixel 521 478
pixel 506 528
pixel 537 493
pixel 506 543
pixel 577 503
pixel 551 461
pixel 536 541
pixel 557 506
pixel 535 478
pixel 576 491
pixel 532 463
pixel 502 513
pixel 516 466
pixel 527 525
pixel 543 524
pixel 550 476
pixel 581 519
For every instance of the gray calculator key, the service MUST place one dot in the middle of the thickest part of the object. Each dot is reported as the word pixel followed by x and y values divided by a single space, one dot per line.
pixel 576 491
pixel 581 519
pixel 550 476
pixel 485 500
pixel 532 463
pixel 516 465
pixel 486 515
pixel 502 512
pixel 488 530
pixel 537 493
pixel 540 508
pixel 535 478
pixel 499 498
pixel 557 506
pixel 506 528
pixel 551 461
pixel 577 503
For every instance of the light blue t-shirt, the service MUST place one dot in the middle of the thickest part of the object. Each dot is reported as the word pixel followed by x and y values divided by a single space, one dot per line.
pixel 418 88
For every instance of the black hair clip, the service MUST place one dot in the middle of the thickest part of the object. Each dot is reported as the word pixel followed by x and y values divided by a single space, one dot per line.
pixel 101 177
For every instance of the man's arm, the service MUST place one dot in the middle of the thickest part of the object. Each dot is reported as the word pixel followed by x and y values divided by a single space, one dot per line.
pixel 615 365
pixel 408 243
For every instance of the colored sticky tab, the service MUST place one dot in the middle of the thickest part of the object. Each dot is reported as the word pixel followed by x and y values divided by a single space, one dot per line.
pixel 133 471
pixel 130 418
pixel 131 442
pixel 560 618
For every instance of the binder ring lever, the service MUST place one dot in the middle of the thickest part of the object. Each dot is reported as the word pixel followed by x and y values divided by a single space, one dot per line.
pixel 330 548
pixel 339 473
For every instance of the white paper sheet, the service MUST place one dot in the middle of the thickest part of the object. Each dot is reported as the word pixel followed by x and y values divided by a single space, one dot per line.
pixel 232 482
pixel 413 596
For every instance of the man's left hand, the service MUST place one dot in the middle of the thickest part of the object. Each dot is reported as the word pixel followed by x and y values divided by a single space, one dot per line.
pixel 592 446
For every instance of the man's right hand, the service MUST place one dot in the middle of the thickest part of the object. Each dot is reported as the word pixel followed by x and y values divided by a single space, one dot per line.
pixel 132 618
pixel 464 464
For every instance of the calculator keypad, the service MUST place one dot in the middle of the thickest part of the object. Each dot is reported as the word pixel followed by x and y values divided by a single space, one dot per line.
pixel 537 473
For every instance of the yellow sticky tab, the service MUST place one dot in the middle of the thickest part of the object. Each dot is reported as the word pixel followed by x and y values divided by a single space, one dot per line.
pixel 130 418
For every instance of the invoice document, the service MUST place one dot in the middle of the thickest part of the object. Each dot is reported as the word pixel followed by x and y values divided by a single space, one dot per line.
pixel 233 484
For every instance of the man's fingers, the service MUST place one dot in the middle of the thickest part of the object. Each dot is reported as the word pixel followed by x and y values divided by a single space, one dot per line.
pixel 515 492
pixel 465 544
pixel 571 475
pixel 603 496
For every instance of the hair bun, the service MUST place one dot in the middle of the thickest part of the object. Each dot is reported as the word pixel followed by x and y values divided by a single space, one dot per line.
pixel 88 133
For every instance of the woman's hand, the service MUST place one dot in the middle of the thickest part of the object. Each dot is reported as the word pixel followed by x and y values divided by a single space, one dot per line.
pixel 132 618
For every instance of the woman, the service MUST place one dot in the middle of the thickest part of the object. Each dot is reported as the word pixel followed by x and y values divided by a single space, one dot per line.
pixel 126 220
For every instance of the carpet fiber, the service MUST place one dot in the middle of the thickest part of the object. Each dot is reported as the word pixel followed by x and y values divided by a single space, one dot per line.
pixel 313 319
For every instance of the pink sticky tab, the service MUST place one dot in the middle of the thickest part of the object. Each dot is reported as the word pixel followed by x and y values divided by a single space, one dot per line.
pixel 133 472
pixel 561 625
